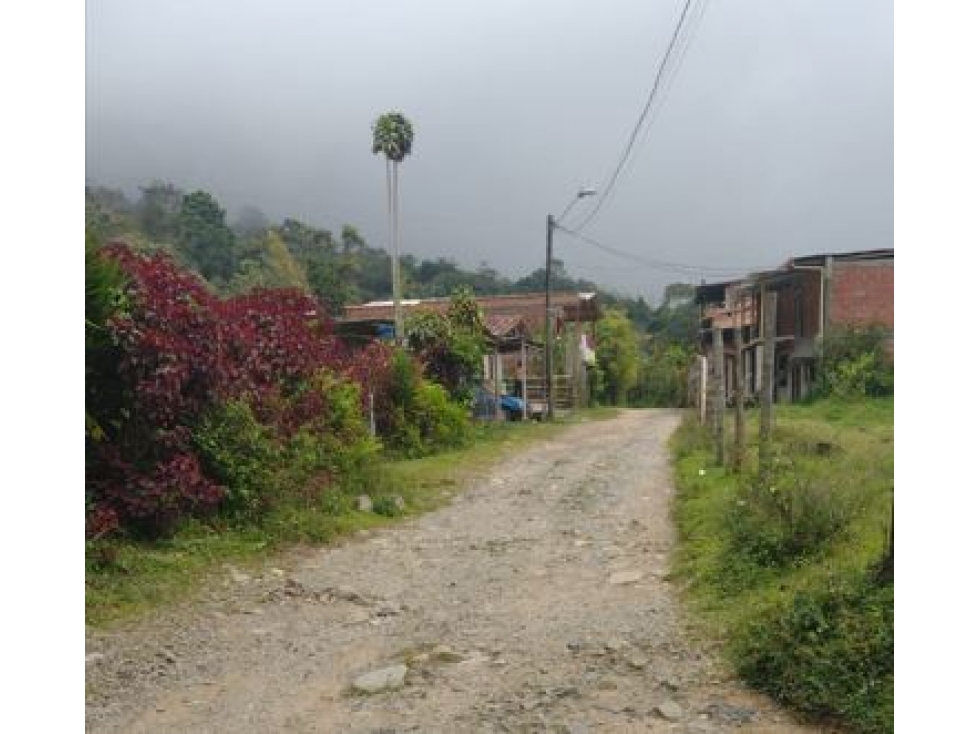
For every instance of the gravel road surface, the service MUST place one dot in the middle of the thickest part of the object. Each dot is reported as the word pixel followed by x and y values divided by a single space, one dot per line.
pixel 537 601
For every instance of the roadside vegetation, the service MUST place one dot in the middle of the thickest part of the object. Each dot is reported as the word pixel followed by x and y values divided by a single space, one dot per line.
pixel 126 577
pixel 796 576
pixel 220 427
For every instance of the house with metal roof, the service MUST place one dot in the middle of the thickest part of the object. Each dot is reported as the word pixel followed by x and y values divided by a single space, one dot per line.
pixel 514 330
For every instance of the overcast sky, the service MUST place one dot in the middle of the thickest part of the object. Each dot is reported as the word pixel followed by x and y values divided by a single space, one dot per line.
pixel 772 138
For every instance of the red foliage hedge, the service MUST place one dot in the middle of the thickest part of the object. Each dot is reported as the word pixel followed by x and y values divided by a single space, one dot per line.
pixel 183 349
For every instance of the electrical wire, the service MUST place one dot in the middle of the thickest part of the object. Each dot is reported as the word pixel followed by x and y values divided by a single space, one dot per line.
pixel 697 13
pixel 642 117
pixel 674 267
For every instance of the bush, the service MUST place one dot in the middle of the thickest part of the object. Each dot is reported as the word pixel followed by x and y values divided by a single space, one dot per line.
pixel 179 352
pixel 242 455
pixel 450 347
pixel 266 466
pixel 856 362
pixel 796 515
pixel 828 651
pixel 441 422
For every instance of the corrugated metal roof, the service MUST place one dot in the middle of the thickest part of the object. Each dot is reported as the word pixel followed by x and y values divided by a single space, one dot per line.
pixel 570 306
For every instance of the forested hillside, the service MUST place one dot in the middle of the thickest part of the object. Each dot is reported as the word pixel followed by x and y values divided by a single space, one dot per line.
pixel 236 255
pixel 644 351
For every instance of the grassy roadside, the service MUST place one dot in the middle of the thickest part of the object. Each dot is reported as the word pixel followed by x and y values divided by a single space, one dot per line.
pixel 786 575
pixel 124 579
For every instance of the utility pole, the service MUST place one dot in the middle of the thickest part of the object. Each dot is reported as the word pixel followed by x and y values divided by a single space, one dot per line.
pixel 719 393
pixel 552 224
pixel 767 387
pixel 738 389
pixel 548 337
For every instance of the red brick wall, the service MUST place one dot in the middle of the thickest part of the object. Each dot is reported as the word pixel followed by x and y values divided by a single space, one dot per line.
pixel 863 293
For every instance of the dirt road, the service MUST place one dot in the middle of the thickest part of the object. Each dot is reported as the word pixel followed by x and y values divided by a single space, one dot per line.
pixel 535 602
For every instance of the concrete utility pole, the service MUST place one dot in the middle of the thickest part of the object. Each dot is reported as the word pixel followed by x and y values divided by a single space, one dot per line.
pixel 548 337
pixel 767 386
pixel 738 391
pixel 552 224
pixel 717 368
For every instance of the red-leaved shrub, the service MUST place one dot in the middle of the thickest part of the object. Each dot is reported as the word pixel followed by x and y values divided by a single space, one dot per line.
pixel 183 349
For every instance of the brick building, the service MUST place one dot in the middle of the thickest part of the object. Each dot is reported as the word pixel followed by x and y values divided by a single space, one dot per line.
pixel 815 294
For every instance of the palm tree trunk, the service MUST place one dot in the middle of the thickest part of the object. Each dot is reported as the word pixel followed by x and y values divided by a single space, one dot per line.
pixel 399 326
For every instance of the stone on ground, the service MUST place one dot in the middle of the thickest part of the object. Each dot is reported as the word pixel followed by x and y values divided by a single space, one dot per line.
pixel 385 679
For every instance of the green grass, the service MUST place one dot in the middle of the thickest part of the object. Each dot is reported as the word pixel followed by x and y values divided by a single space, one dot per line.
pixel 125 579
pixel 805 621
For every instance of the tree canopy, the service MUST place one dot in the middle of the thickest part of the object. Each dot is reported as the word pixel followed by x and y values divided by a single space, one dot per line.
pixel 393 136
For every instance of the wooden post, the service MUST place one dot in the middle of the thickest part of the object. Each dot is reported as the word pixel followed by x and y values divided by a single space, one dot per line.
pixel 738 392
pixel 718 382
pixel 522 376
pixel 702 387
pixel 767 387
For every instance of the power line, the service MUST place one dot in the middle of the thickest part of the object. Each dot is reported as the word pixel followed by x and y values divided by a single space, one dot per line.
pixel 642 117
pixel 680 268
pixel 697 13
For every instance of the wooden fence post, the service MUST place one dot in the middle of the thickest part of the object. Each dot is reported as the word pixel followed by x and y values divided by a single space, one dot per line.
pixel 767 388
pixel 717 370
pixel 738 394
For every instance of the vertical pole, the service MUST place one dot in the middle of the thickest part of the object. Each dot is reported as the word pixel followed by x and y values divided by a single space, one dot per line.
pixel 738 390
pixel 702 386
pixel 548 327
pixel 495 363
pixel 718 370
pixel 767 386
pixel 522 373
pixel 828 295
pixel 399 325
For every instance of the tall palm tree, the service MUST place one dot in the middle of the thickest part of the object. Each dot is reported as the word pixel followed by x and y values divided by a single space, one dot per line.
pixel 393 136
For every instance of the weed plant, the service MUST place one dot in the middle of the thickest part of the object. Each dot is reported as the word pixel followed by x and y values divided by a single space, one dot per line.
pixel 786 572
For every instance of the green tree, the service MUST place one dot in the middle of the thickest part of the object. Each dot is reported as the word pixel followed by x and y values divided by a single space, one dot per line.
pixel 351 241
pixel 204 238
pixel 158 211
pixel 451 346
pixel 108 213
pixel 270 265
pixel 678 316
pixel 394 137
pixel 617 356
pixel 250 222
pixel 332 283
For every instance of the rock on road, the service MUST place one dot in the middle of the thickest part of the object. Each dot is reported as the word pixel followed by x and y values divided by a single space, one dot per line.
pixel 535 602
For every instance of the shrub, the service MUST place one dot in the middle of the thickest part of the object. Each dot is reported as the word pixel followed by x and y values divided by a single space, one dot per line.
pixel 242 455
pixel 336 440
pixel 856 362
pixel 828 651
pixel 265 466
pixel 151 500
pixel 441 422
pixel 387 505
pixel 795 515
pixel 180 352
pixel 451 346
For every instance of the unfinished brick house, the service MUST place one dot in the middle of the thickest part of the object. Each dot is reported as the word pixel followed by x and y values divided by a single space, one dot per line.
pixel 515 328
pixel 815 294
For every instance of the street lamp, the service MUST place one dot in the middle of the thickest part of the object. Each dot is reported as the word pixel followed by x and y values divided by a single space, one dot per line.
pixel 552 224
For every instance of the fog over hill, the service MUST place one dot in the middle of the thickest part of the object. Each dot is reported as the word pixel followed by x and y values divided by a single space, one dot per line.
pixel 770 135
